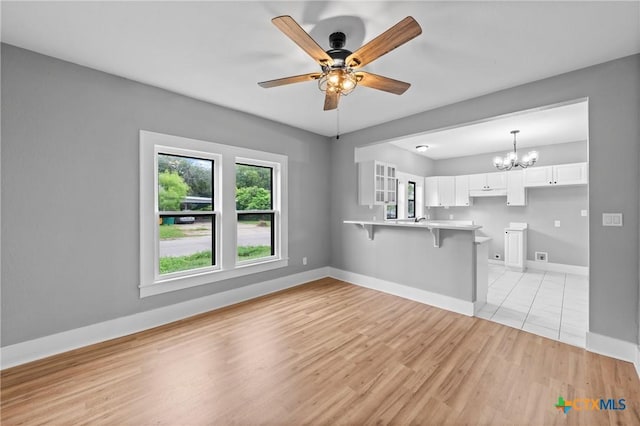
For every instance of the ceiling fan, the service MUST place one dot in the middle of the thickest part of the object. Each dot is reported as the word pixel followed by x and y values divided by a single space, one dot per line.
pixel 339 76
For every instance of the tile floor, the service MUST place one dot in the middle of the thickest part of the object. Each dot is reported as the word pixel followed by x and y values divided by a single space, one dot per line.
pixel 549 304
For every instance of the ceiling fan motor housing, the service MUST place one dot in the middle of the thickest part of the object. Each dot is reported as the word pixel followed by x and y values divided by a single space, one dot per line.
pixel 337 41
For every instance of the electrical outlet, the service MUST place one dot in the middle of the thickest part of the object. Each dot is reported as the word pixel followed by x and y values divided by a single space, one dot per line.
pixel 556 223
pixel 497 256
pixel 583 213
pixel 304 260
pixel 541 256
pixel 450 217
pixel 611 219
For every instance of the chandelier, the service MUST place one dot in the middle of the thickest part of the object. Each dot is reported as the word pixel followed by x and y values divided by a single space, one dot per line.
pixel 511 159
pixel 338 79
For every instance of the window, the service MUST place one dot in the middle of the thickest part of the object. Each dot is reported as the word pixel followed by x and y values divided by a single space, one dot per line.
pixel 255 212
pixel 186 216
pixel 411 200
pixel 391 210
pixel 193 229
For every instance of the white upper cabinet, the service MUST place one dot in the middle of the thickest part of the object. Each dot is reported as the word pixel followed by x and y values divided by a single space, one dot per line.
pixel 538 176
pixel 462 191
pixel 497 180
pixel 431 192
pixel 487 181
pixel 377 183
pixel 570 174
pixel 439 191
pixel 446 190
pixel 516 194
pixel 562 174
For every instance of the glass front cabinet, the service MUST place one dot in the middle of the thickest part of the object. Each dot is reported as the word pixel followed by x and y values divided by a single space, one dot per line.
pixel 377 183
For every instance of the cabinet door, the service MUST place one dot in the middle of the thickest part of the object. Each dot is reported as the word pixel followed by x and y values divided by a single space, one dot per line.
pixel 570 174
pixel 497 180
pixel 515 188
pixel 431 192
pixel 478 182
pixel 538 176
pixel 446 190
pixel 380 183
pixel 513 249
pixel 462 190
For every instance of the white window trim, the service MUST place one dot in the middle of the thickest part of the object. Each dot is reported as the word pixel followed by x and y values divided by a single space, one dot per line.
pixel 225 158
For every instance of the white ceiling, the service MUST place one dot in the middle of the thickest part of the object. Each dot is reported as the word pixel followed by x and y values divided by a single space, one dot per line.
pixel 218 51
pixel 544 126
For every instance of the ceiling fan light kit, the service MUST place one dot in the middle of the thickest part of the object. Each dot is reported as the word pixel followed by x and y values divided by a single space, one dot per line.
pixel 511 159
pixel 338 76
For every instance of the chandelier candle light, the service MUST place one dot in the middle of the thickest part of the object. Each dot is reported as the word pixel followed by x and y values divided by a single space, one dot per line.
pixel 511 159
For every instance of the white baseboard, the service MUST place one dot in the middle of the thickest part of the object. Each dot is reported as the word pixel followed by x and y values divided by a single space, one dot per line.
pixel 406 292
pixel 558 267
pixel 478 305
pixel 42 347
pixel 551 267
pixel 615 348
pixel 637 361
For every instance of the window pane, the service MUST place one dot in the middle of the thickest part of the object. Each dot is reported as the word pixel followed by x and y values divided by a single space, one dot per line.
pixel 411 200
pixel 186 242
pixel 392 211
pixel 411 188
pixel 184 183
pixel 253 187
pixel 255 236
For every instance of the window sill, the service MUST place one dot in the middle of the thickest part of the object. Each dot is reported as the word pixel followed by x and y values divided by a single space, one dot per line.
pixel 179 283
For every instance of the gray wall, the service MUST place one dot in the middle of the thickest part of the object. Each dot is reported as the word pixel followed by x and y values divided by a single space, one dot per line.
pixel 70 178
pixel 400 255
pixel 613 89
pixel 404 160
pixel 567 244
pixel 563 153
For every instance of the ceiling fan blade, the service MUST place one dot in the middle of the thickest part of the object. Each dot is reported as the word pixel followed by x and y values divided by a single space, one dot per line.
pixel 379 82
pixel 331 100
pixel 295 32
pixel 395 36
pixel 290 80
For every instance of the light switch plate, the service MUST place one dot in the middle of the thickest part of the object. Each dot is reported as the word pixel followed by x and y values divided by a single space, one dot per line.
pixel 556 223
pixel 611 219
pixel 583 213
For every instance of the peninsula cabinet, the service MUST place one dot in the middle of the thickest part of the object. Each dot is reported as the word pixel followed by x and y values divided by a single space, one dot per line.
pixel 377 183
pixel 439 191
pixel 561 174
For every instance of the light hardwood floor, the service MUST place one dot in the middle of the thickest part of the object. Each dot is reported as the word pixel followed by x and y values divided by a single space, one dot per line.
pixel 323 353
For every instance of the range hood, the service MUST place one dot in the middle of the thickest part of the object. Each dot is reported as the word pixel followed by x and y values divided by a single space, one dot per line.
pixel 488 193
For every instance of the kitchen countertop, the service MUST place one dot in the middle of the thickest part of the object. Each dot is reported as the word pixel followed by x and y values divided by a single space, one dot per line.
pixel 480 240
pixel 428 224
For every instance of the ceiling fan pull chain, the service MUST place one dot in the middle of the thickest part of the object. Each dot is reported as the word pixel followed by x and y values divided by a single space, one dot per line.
pixel 337 123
